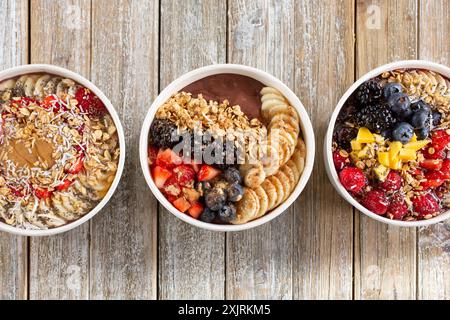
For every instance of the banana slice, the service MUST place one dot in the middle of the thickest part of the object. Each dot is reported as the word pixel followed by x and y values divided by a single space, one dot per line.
pixel 7 85
pixel 28 85
pixel 247 208
pixel 19 90
pixel 39 86
pixel 271 192
pixel 299 156
pixel 294 170
pixel 263 201
pixel 254 175
pixel 285 183
pixel 50 87
pixel 62 88
pixel 279 187
pixel 290 175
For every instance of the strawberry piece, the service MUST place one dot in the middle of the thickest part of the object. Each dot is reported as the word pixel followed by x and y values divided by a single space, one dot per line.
pixel 88 102
pixel 181 204
pixel 160 176
pixel 171 198
pixel 185 175
pixel 353 179
pixel 398 208
pixel 440 139
pixel 376 201
pixel 434 179
pixel 445 169
pixel 51 102
pixel 152 154
pixel 430 152
pixel 196 210
pixel 171 187
pixel 168 159
pixel 207 173
pixel 63 185
pixel 432 164
pixel 340 161
pixel 77 166
pixel 425 204
pixel 23 102
pixel 42 193
pixel 393 182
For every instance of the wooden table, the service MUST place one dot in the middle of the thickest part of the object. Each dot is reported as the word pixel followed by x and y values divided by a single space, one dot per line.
pixel 320 248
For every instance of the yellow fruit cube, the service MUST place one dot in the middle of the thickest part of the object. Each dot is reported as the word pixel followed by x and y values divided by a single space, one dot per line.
pixel 381 172
pixel 396 164
pixel 378 138
pixel 383 158
pixel 394 150
pixel 356 146
pixel 414 138
pixel 364 153
pixel 354 156
pixel 365 136
pixel 407 155
pixel 417 145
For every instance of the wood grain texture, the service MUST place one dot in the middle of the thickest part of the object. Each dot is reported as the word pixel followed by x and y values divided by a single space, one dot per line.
pixel 13 52
pixel 191 260
pixel 125 67
pixel 59 265
pixel 385 256
pixel 259 261
pixel 323 228
pixel 434 241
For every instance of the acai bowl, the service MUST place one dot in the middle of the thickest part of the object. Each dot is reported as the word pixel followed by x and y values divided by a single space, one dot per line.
pixel 387 145
pixel 227 147
pixel 62 150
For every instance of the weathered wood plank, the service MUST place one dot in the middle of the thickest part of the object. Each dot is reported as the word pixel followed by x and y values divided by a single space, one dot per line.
pixel 323 228
pixel 385 257
pixel 191 261
pixel 125 67
pixel 259 261
pixel 13 51
pixel 59 265
pixel 434 241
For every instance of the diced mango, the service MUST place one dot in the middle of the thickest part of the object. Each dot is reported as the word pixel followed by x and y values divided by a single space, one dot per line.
pixel 407 155
pixel 378 138
pixel 394 150
pixel 414 138
pixel 417 145
pixel 364 153
pixel 381 172
pixel 354 156
pixel 365 136
pixel 356 146
pixel 396 164
pixel 383 158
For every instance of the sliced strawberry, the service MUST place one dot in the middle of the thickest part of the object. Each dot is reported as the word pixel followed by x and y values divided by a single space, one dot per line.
pixel 432 164
pixel 51 102
pixel 77 166
pixel 185 175
pixel 181 204
pixel 445 169
pixel 23 102
pixel 63 185
pixel 160 176
pixel 207 173
pixel 196 210
pixel 152 154
pixel 434 179
pixel 171 187
pixel 42 193
pixel 430 152
pixel 88 102
pixel 171 198
pixel 168 159
pixel 440 139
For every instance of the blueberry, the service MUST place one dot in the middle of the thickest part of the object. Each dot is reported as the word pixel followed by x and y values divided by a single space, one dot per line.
pixel 391 88
pixel 400 105
pixel 232 175
pixel 227 213
pixel 437 116
pixel 420 105
pixel 208 215
pixel 403 132
pixel 423 133
pixel 235 192
pixel 215 199
pixel 421 119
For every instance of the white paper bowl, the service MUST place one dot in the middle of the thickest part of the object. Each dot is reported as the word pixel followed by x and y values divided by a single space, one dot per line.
pixel 44 68
pixel 328 155
pixel 266 79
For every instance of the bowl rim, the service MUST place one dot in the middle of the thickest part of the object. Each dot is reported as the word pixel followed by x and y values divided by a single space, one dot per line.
pixel 256 74
pixel 328 157
pixel 56 70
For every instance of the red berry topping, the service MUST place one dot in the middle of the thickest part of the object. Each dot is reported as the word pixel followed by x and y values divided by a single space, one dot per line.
pixel 398 208
pixel 429 152
pixel 152 154
pixel 160 176
pixel 42 193
pixel 168 159
pixel 51 102
pixel 88 102
pixel 23 102
pixel 171 187
pixel 440 139
pixel 340 161
pixel 207 173
pixel 184 175
pixel 425 205
pixel 353 179
pixel 434 179
pixel 77 166
pixel 181 204
pixel 376 201
pixel 196 210
pixel 393 182
pixel 63 185
pixel 445 169
pixel 432 164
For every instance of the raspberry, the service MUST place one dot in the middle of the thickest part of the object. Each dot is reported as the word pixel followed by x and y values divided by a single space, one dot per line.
pixel 393 182
pixel 340 161
pixel 353 179
pixel 425 205
pixel 376 202
pixel 88 102
pixel 434 179
pixel 398 208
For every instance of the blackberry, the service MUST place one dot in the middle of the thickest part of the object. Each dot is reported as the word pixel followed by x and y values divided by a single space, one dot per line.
pixel 376 117
pixel 343 136
pixel 163 134
pixel 347 113
pixel 368 92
